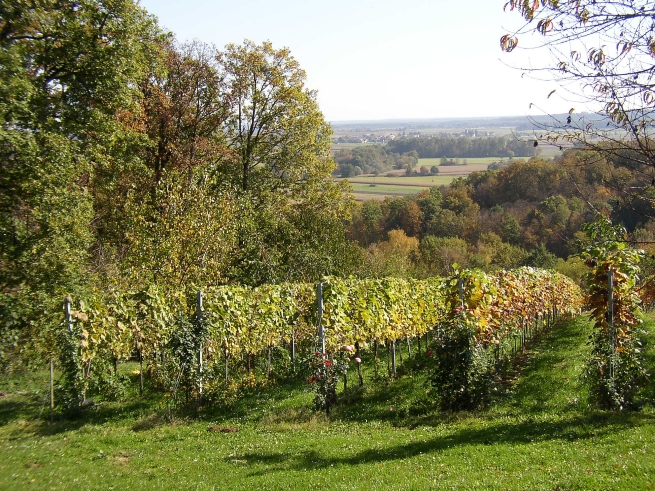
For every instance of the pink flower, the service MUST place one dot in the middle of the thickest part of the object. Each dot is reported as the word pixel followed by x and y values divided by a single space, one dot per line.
pixel 350 348
pixel 457 311
pixel 429 352
pixel 358 360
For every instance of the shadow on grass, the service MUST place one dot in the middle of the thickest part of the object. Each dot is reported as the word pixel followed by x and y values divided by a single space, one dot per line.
pixel 12 409
pixel 575 428
pixel 32 412
pixel 550 379
pixel 548 387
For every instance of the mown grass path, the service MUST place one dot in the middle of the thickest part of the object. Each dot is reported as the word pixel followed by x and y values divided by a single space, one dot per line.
pixel 541 435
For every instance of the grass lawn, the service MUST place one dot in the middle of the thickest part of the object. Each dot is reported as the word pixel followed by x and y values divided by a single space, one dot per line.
pixel 540 434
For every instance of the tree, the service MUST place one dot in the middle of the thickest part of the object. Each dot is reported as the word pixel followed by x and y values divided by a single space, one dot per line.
pixel 411 219
pixel 394 257
pixel 185 236
pixel 183 110
pixel 372 218
pixel 438 254
pixel 274 122
pixel 603 54
pixel 429 202
pixel 175 129
pixel 539 257
pixel 282 165
pixel 68 68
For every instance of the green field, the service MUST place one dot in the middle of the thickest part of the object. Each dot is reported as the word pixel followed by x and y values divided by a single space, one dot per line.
pixel 394 183
pixel 370 187
pixel 378 187
pixel 539 434
pixel 471 161
pixel 379 181
pixel 367 191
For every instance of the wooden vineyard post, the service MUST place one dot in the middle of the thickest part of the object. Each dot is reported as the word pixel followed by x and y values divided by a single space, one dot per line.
pixel 321 339
pixel 140 372
pixel 393 356
pixel 375 357
pixel 388 346
pixel 67 312
pixel 199 320
pixel 227 374
pixel 293 349
pixel 359 365
pixel 52 391
pixel 460 284
pixel 610 314
pixel 319 317
pixel 268 362
pixel 69 324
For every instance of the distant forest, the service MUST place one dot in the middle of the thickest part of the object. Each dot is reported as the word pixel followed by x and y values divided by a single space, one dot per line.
pixel 463 147
pixel 403 153
pixel 528 213
pixel 518 123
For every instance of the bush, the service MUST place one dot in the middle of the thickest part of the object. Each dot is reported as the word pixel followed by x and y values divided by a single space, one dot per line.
pixel 462 373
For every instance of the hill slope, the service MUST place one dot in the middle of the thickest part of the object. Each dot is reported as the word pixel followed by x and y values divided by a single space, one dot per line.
pixel 541 435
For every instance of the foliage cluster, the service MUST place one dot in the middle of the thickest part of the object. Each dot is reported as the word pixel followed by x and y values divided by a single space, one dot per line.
pixel 137 165
pixel 616 367
pixel 528 213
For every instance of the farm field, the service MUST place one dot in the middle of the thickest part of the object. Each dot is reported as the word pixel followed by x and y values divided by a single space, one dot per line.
pixel 365 188
pixel 539 434
pixel 380 181
pixel 394 183
pixel 470 161
pixel 340 146
pixel 369 191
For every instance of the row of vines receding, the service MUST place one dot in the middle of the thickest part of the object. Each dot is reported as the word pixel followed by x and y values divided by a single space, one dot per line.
pixel 205 347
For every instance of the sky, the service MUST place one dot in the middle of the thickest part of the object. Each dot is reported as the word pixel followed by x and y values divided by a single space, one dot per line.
pixel 382 59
